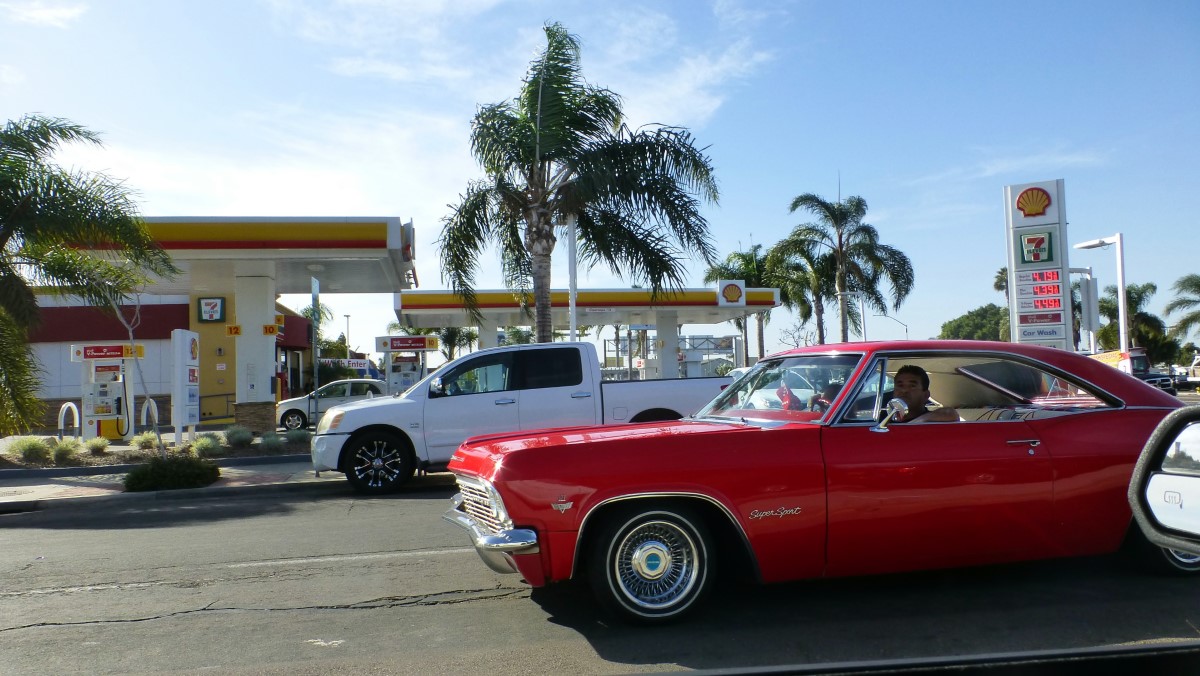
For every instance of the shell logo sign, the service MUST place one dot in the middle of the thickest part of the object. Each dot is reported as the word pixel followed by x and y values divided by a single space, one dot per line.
pixel 731 292
pixel 1033 202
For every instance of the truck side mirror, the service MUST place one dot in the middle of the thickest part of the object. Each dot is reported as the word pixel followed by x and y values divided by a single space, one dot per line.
pixel 1164 491
pixel 436 389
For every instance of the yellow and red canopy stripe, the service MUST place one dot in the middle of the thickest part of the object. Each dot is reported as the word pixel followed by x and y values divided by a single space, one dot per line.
pixel 262 235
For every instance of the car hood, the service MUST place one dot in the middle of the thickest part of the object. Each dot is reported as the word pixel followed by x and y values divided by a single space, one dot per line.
pixel 294 401
pixel 370 405
pixel 542 452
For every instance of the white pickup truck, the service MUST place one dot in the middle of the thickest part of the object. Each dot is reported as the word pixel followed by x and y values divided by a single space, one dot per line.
pixel 378 443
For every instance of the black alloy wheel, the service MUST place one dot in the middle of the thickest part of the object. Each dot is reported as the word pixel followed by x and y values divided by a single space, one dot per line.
pixel 378 462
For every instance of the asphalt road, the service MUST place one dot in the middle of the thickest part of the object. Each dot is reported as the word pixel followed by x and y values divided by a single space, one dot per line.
pixel 341 584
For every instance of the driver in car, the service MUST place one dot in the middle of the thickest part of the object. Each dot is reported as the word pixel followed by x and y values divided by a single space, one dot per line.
pixel 912 386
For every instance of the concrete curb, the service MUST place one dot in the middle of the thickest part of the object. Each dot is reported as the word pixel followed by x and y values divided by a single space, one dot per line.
pixel 205 493
pixel 125 469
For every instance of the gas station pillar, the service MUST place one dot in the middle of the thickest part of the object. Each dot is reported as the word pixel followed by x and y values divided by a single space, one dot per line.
pixel 487 333
pixel 665 323
pixel 254 405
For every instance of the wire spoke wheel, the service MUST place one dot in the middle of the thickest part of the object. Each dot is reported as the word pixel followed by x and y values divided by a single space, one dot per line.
pixel 653 566
pixel 656 564
pixel 1184 561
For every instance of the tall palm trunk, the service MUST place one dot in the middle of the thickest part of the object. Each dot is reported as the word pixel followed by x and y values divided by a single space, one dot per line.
pixel 539 241
pixel 760 321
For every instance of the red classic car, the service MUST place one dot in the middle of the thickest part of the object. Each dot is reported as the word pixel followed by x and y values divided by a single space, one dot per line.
pixel 804 468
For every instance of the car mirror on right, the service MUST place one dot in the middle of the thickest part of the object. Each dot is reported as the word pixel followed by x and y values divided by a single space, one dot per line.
pixel 1164 491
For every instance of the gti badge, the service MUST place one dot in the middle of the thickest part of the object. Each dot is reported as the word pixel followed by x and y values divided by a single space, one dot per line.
pixel 561 506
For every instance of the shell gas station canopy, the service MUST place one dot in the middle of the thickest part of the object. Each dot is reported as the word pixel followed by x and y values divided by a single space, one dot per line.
pixel 666 312
pixel 435 309
pixel 252 260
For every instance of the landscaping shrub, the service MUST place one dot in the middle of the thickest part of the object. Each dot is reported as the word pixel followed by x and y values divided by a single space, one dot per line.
pixel 270 443
pixel 65 450
pixel 298 436
pixel 32 451
pixel 172 472
pixel 207 445
pixel 97 446
pixel 238 437
pixel 145 441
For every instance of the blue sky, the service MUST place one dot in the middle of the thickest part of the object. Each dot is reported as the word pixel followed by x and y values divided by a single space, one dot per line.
pixel 925 109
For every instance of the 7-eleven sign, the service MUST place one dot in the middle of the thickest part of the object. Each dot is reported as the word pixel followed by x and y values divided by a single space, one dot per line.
pixel 1036 248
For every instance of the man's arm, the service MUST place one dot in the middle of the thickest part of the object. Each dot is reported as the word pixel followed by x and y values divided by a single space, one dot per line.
pixel 943 414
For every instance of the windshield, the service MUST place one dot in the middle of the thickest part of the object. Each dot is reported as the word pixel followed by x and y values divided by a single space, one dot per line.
pixel 800 388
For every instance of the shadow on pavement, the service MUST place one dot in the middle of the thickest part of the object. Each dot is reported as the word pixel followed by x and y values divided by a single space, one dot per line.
pixel 1042 606
pixel 166 509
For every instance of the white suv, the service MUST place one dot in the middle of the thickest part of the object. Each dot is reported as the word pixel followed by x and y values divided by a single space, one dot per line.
pixel 298 412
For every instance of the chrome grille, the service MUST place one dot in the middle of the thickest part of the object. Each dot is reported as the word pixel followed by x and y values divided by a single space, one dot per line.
pixel 477 503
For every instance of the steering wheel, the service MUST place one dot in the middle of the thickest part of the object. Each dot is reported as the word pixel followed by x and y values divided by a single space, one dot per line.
pixel 453 389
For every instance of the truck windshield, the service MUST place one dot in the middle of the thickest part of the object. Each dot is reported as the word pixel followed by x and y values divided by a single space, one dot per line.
pixel 789 389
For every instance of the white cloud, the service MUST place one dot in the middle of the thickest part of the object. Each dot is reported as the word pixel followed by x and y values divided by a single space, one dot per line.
pixel 10 75
pixel 43 13
pixel 1054 159
pixel 393 23
pixel 737 13
pixel 392 70
pixel 691 92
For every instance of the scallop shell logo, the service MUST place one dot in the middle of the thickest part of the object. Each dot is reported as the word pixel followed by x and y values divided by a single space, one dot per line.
pixel 732 293
pixel 1033 202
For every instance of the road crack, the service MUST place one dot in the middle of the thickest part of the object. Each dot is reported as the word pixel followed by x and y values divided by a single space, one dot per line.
pixel 384 602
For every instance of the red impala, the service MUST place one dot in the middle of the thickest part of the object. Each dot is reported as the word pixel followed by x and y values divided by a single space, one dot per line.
pixel 802 469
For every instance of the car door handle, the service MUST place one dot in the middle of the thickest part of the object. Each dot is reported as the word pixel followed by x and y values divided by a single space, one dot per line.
pixel 505 402
pixel 1026 442
pixel 581 395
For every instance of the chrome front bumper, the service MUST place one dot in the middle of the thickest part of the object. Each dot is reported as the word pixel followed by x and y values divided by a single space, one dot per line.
pixel 496 549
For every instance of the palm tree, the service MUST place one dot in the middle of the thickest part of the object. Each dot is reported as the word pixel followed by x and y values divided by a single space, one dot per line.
pixel 49 220
pixel 807 277
pixel 1000 282
pixel 558 153
pixel 1188 288
pixel 750 267
pixel 861 262
pixel 1145 329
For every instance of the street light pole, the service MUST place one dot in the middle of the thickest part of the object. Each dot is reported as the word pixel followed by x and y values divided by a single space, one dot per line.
pixel 897 321
pixel 862 310
pixel 347 337
pixel 1122 304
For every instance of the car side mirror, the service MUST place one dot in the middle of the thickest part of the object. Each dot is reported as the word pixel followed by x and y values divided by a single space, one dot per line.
pixel 1164 491
pixel 896 409
pixel 436 388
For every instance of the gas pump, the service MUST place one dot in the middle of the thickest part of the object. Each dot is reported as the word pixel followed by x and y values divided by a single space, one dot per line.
pixel 107 408
pixel 404 357
pixel 405 370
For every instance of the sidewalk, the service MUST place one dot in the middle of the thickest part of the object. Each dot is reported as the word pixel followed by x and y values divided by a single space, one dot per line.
pixel 25 490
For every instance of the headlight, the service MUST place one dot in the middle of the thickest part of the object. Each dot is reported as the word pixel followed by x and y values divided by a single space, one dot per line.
pixel 330 421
